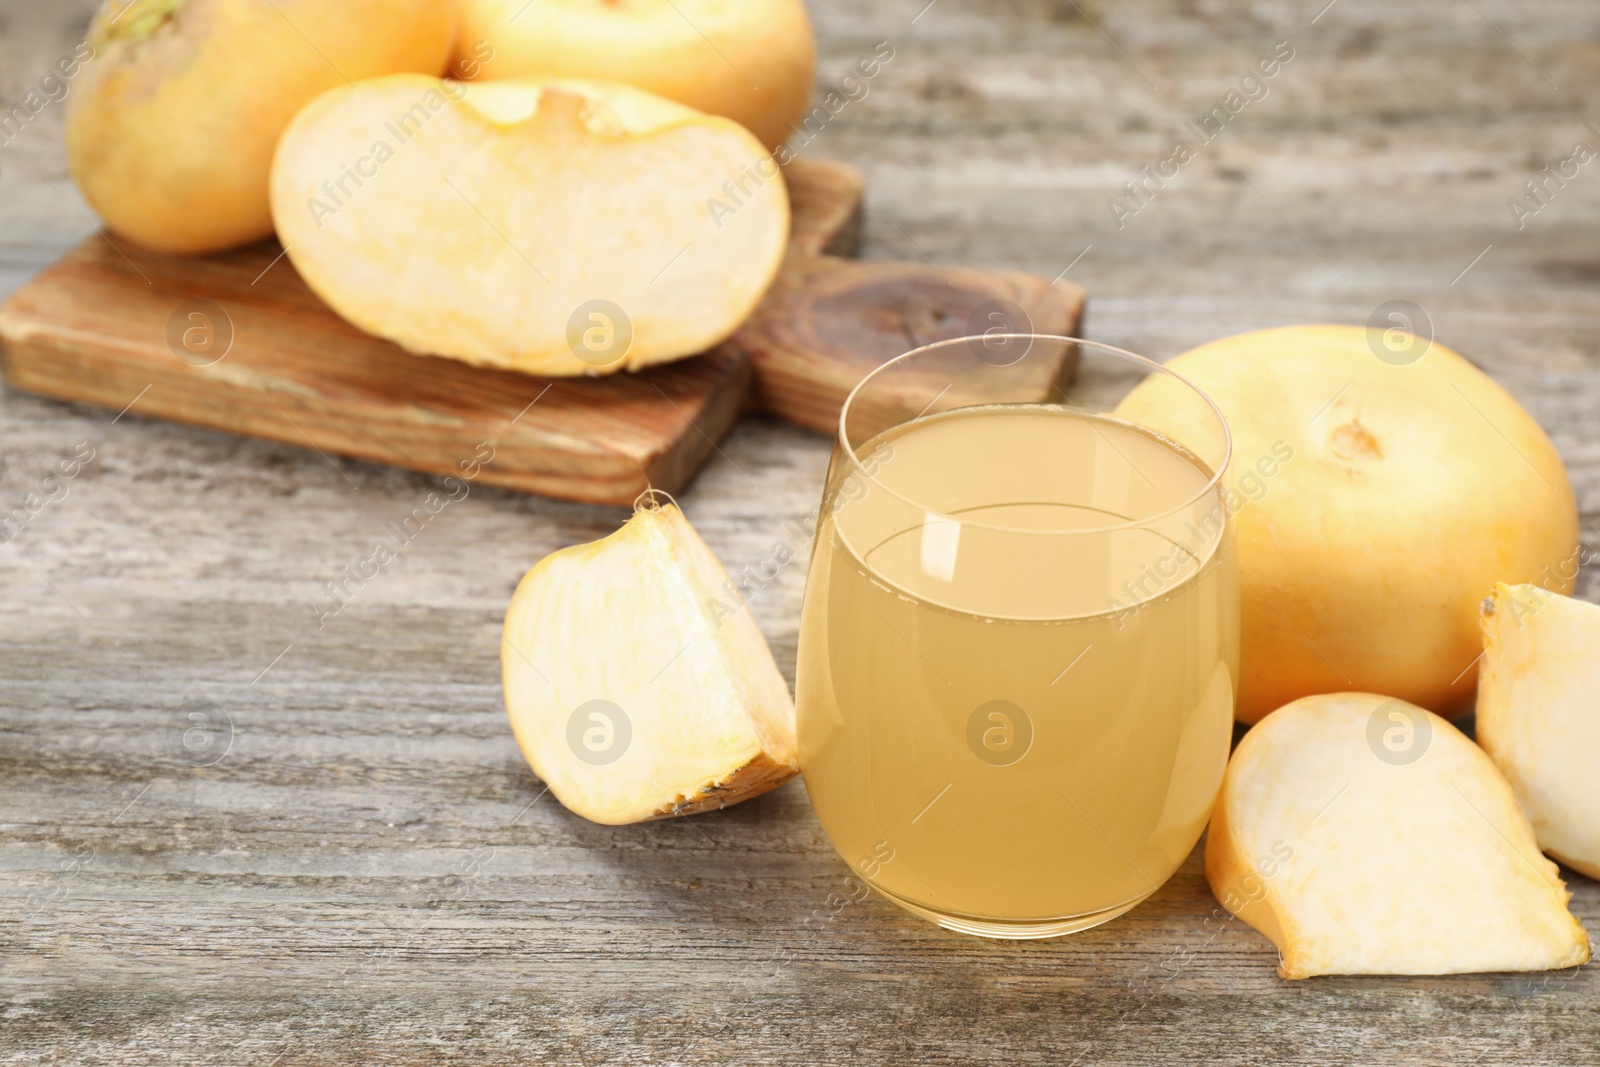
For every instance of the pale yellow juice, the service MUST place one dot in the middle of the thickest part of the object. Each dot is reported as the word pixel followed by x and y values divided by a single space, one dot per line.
pixel 1016 666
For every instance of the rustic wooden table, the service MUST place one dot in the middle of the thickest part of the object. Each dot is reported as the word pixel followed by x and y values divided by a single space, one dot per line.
pixel 369 872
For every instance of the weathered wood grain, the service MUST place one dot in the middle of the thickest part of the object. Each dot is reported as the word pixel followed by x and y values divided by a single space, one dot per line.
pixel 265 910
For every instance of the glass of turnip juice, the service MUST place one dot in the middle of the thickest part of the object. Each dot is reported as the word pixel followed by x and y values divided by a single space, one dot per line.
pixel 1020 637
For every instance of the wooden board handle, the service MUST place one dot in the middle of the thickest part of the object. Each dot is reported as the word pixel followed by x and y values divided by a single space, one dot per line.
pixel 828 322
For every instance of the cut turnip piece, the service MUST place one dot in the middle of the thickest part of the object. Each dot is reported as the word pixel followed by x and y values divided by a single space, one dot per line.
pixel 638 685
pixel 548 226
pixel 1364 835
pixel 1539 714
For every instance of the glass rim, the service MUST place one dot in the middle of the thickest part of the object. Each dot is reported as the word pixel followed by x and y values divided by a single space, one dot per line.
pixel 1142 361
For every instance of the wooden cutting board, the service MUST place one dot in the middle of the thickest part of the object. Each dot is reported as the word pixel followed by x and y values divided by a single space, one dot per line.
pixel 237 342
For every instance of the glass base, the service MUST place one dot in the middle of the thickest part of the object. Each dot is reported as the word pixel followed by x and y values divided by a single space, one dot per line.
pixel 1015 929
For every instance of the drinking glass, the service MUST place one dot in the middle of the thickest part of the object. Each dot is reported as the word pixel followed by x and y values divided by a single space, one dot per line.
pixel 1019 644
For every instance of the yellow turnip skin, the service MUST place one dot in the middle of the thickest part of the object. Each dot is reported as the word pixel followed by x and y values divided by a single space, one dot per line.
pixel 752 61
pixel 171 127
pixel 1378 503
